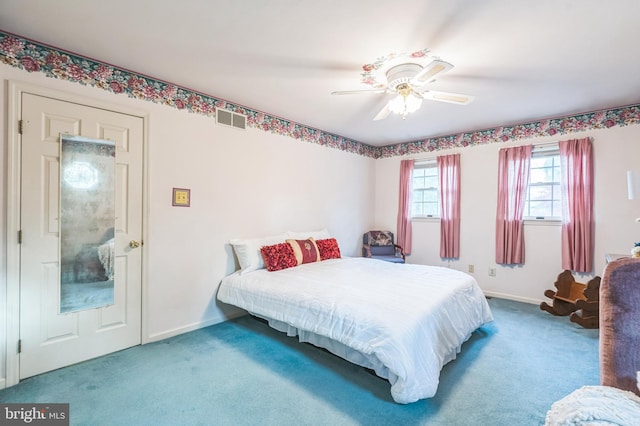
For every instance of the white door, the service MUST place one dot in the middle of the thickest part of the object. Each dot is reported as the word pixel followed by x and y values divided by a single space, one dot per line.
pixel 48 339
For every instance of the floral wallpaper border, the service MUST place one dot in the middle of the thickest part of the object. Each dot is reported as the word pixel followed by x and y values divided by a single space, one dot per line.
pixel 623 116
pixel 36 57
pixel 32 56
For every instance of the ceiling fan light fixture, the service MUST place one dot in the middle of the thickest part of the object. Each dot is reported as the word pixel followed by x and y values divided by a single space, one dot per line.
pixel 412 103
pixel 396 105
pixel 403 105
pixel 410 77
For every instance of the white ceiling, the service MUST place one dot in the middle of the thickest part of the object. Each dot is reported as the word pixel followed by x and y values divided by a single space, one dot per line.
pixel 523 60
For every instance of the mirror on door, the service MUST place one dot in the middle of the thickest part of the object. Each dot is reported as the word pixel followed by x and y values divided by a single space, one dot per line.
pixel 87 223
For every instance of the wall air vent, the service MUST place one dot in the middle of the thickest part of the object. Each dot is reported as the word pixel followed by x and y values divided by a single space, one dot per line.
pixel 231 119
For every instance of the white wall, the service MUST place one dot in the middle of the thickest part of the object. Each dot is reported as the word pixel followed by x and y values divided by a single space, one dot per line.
pixel 616 150
pixel 243 184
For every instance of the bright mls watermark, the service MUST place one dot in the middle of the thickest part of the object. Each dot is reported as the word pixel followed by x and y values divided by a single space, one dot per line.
pixel 34 414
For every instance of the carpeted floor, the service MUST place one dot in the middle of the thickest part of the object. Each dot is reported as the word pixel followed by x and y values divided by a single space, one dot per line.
pixel 243 373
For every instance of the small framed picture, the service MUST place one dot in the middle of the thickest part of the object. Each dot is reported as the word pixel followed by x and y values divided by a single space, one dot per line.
pixel 181 197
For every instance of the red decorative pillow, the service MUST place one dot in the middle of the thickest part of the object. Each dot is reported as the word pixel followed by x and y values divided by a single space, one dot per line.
pixel 328 249
pixel 278 256
pixel 306 251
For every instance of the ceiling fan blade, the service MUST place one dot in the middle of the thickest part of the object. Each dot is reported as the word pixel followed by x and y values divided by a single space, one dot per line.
pixel 430 71
pixel 384 112
pixel 359 92
pixel 453 98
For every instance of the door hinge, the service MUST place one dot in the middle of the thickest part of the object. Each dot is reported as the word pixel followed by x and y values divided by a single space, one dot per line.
pixel 20 126
pixel 20 346
pixel 20 236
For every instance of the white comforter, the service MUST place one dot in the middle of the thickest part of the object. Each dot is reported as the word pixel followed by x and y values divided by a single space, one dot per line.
pixel 406 321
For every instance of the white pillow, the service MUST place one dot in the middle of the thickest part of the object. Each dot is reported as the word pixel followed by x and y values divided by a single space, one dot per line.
pixel 248 250
pixel 316 235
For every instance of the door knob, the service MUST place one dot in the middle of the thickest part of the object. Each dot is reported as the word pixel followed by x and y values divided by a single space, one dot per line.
pixel 134 244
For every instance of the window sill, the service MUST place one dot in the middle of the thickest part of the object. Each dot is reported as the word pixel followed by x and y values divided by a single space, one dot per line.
pixel 425 219
pixel 543 222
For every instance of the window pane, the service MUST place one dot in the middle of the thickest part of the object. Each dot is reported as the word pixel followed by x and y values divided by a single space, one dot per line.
pixel 542 161
pixel 431 195
pixel 431 171
pixel 541 175
pixel 537 175
pixel 540 208
pixel 557 208
pixel 430 209
pixel 431 181
pixel 536 162
pixel 540 192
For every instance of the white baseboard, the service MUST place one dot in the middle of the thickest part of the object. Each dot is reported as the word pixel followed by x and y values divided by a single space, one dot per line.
pixel 194 326
pixel 511 297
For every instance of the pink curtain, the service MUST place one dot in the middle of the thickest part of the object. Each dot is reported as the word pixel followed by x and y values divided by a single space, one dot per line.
pixel 404 206
pixel 449 179
pixel 576 158
pixel 513 180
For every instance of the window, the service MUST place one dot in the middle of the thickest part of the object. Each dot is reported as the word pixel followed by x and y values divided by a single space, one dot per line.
pixel 425 198
pixel 544 194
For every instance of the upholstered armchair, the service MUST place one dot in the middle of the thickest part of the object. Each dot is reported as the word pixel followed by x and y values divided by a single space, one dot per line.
pixel 620 324
pixel 380 245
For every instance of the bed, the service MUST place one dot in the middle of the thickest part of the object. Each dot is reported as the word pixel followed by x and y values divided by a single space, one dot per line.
pixel 402 321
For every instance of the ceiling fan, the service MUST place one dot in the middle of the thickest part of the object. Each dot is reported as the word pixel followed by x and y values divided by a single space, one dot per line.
pixel 410 81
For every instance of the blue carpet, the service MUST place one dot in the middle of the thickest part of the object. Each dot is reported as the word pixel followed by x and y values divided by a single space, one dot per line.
pixel 242 372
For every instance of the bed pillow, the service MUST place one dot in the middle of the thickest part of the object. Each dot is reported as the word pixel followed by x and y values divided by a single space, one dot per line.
pixel 248 251
pixel 306 251
pixel 278 256
pixel 303 235
pixel 328 249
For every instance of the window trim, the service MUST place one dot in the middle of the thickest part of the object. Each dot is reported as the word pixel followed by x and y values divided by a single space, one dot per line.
pixel 552 149
pixel 426 164
pixel 542 222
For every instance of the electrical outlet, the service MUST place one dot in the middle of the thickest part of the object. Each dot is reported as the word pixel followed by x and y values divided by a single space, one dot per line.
pixel 492 272
pixel 471 268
